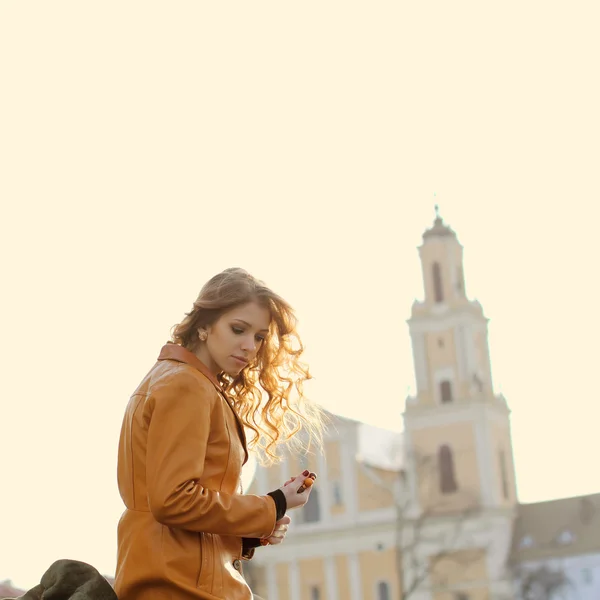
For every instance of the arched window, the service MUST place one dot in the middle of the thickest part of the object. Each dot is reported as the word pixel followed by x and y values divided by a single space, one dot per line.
pixel 311 512
pixel 460 281
pixel 503 474
pixel 315 591
pixel 446 467
pixel 383 591
pixel 438 292
pixel 565 537
pixel 445 391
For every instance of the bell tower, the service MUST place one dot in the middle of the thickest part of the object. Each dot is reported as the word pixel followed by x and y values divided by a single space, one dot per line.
pixel 455 421
pixel 459 464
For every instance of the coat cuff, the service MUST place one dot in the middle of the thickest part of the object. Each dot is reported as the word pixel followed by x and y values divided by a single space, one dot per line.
pixel 248 547
pixel 280 503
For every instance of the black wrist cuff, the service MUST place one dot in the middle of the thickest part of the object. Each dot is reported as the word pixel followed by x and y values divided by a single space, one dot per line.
pixel 280 503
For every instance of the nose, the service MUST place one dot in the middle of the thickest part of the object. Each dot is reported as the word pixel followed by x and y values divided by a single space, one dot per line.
pixel 249 344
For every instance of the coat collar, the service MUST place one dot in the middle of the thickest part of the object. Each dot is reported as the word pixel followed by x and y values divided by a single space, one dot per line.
pixel 171 351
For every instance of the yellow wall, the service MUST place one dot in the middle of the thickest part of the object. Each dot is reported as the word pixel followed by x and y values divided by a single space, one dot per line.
pixel 441 358
pixel 343 577
pixel 312 572
pixel 370 495
pixel 377 566
pixel 473 593
pixel 501 441
pixel 466 568
pixel 460 437
pixel 334 473
pixel 282 578
pixel 437 250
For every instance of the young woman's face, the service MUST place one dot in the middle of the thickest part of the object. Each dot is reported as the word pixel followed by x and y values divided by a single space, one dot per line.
pixel 235 338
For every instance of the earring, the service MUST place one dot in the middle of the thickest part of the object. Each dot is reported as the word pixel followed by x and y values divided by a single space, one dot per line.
pixel 203 335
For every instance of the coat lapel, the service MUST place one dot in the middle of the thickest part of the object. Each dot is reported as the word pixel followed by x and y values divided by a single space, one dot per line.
pixel 171 351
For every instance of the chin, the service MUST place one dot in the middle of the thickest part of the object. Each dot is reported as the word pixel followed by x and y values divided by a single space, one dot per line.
pixel 233 372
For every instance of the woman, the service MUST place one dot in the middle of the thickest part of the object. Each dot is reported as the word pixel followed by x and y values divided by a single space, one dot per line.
pixel 232 365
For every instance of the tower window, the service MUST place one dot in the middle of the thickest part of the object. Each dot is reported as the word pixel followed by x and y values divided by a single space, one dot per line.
pixel 526 542
pixel 337 493
pixel 445 391
pixel 440 342
pixel 565 537
pixel 311 512
pixel 503 474
pixel 315 592
pixel 383 591
pixel 438 291
pixel 446 468
pixel 460 281
pixel 587 576
pixel 461 596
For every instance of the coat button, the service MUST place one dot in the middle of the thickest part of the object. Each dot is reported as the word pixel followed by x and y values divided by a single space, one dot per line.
pixel 237 564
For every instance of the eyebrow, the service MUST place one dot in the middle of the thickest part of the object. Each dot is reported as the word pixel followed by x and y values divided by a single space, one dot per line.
pixel 248 325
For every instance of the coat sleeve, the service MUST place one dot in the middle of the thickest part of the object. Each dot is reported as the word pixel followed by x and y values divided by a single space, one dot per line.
pixel 178 431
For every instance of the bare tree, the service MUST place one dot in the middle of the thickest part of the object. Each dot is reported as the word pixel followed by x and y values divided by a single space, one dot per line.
pixel 542 583
pixel 416 522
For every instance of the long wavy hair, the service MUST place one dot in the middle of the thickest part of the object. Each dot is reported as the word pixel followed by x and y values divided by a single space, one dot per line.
pixel 267 394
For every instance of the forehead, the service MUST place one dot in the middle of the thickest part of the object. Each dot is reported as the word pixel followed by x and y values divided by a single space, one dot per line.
pixel 254 314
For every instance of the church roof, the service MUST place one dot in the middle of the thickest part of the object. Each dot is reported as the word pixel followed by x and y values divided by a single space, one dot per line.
pixel 564 527
pixel 439 229
pixel 380 448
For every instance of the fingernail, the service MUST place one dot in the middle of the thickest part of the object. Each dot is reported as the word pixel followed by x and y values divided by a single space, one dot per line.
pixel 305 473
pixel 313 475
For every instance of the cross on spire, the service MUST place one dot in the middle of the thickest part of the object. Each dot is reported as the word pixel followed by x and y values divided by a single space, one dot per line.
pixel 436 206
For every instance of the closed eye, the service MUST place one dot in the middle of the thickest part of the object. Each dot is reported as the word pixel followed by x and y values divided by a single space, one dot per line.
pixel 237 330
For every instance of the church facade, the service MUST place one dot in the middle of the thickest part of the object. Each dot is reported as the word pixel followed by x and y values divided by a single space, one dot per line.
pixel 432 513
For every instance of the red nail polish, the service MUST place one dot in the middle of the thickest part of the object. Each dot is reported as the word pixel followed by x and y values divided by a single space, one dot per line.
pixel 305 473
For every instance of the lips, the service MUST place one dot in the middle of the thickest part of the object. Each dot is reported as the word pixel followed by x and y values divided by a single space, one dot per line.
pixel 241 361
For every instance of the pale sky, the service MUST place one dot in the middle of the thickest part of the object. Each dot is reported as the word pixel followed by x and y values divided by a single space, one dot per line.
pixel 145 146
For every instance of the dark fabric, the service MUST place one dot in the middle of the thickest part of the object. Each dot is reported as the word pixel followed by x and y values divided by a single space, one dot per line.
pixel 280 503
pixel 71 580
pixel 249 544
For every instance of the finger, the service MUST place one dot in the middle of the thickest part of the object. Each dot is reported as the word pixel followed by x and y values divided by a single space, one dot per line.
pixel 299 483
pixel 285 520
pixel 273 540
pixel 307 483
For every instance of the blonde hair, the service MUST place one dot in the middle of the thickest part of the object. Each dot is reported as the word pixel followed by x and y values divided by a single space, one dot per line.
pixel 267 394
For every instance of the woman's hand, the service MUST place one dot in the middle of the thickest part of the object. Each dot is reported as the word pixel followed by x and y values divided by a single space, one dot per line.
pixel 291 486
pixel 280 531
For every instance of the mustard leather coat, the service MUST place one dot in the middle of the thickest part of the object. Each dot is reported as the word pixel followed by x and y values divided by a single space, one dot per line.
pixel 181 453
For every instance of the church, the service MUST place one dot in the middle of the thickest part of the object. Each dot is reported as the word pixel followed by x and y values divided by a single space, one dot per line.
pixel 431 513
